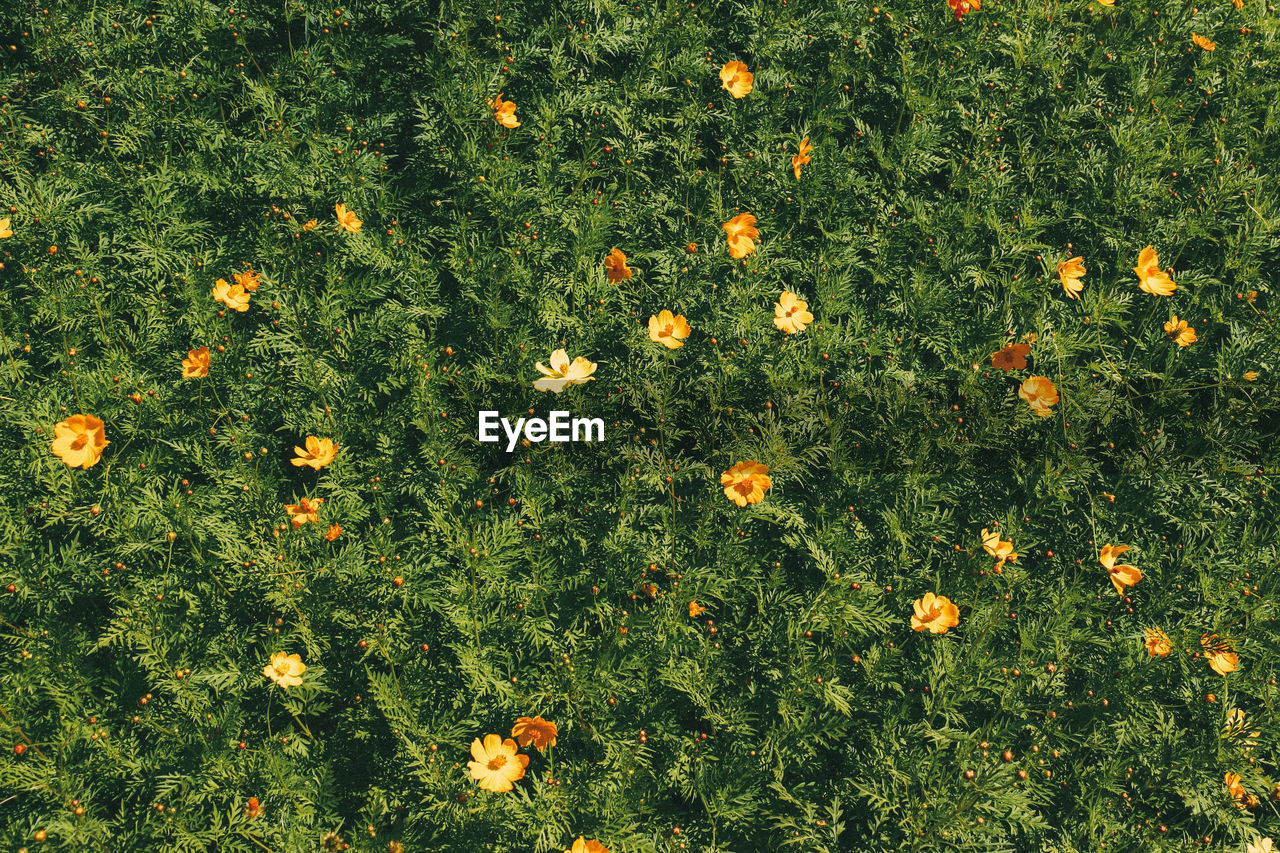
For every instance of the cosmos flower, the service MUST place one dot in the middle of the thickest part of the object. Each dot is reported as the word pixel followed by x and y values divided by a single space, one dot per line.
pixel 1179 332
pixel 746 482
pixel 496 766
pixel 802 158
pixel 1069 273
pixel 1121 575
pixel 742 235
pixel 231 295
pixel 1012 357
pixel 79 441
pixel 735 78
pixel 535 730
pixel 304 511
pixel 285 670
pixel 196 364
pixel 615 267
pixel 1202 42
pixel 934 613
pixel 668 330
pixel 504 112
pixel 1040 393
pixel 1158 643
pixel 347 220
pixel 562 373
pixel 318 452
pixel 791 313
pixel 1151 278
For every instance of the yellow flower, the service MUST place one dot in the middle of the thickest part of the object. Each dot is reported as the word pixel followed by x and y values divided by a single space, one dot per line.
pixel 791 313
pixel 1203 43
pixel 285 670
pixel 497 766
pixel 1107 2
pixel 668 330
pixel 1122 575
pixel 742 235
pixel 1040 393
pixel 310 225
pixel 535 730
pixel 248 280
pixel 1218 652
pixel 1069 273
pixel 1250 375
pixel 746 482
pixel 696 609
pixel 1151 278
pixel 231 295
pixel 735 77
pixel 1002 551
pixel 318 453
pixel 335 530
pixel 1158 643
pixel 196 364
pixel 615 267
pixel 802 158
pixel 562 374
pixel 306 510
pixel 346 219
pixel 934 613
pixel 582 845
pixel 504 112
pixel 1262 845
pixel 79 441
pixel 1178 330
pixel 5 230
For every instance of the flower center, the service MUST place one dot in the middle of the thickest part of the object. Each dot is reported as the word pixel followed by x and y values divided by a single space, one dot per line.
pixel 497 762
pixel 80 442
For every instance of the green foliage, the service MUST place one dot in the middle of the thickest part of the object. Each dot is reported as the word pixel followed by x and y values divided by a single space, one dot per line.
pixel 162 145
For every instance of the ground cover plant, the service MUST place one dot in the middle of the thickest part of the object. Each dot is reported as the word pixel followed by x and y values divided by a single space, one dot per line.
pixel 933 349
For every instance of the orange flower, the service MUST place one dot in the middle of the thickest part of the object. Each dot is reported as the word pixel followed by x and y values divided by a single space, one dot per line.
pixel 935 614
pixel 1158 643
pixel 5 230
pixel 802 158
pixel 615 267
pixel 334 532
pixel 248 280
pixel 310 225
pixel 791 313
pixel 1251 375
pixel 963 7
pixel 1122 575
pixel 668 330
pixel 1151 278
pixel 304 511
pixel 1203 42
pixel 742 235
pixel 79 441
pixel 1069 273
pixel 746 482
pixel 1179 332
pixel 582 845
pixel 696 609
pixel 196 364
pixel 346 219
pixel 1236 790
pixel 1040 393
pixel 252 809
pixel 735 77
pixel 497 766
pixel 504 112
pixel 1013 356
pixel 535 730
pixel 1218 652
pixel 285 670
pixel 231 295
pixel 318 453
pixel 650 590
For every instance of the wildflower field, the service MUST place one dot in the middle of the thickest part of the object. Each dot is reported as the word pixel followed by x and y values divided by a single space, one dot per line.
pixel 929 346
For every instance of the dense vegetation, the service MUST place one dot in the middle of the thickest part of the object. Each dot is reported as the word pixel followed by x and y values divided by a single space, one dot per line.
pixel 394 248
